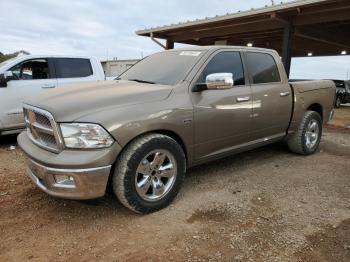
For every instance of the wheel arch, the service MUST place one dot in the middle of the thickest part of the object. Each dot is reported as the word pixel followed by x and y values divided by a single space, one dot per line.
pixel 316 107
pixel 165 132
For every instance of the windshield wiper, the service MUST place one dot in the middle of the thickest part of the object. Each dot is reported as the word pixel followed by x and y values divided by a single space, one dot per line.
pixel 142 81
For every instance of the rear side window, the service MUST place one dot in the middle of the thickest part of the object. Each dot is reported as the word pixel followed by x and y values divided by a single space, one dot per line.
pixel 72 67
pixel 225 62
pixel 262 68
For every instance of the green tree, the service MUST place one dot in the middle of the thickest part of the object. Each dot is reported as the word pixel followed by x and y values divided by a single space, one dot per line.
pixel 4 57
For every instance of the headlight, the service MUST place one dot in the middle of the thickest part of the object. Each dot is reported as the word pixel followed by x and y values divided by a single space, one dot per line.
pixel 79 135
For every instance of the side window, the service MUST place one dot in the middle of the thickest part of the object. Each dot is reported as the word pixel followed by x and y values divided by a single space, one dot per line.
pixel 31 70
pixel 347 85
pixel 72 67
pixel 225 62
pixel 262 68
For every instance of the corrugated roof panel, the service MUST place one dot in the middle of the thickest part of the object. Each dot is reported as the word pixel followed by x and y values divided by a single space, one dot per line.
pixel 217 18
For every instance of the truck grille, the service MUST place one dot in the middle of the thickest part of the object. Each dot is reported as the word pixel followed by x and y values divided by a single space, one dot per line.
pixel 42 128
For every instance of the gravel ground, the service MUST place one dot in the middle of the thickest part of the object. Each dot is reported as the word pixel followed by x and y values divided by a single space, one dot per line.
pixel 341 116
pixel 263 205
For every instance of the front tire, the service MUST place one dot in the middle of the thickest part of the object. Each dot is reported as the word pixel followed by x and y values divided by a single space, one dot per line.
pixel 307 139
pixel 149 173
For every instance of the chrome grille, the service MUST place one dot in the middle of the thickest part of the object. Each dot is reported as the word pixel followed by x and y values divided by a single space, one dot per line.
pixel 42 120
pixel 42 128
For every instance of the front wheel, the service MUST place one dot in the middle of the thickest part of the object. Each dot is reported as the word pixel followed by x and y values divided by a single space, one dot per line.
pixel 149 173
pixel 306 140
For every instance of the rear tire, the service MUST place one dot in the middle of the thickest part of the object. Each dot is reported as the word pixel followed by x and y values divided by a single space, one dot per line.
pixel 149 173
pixel 308 136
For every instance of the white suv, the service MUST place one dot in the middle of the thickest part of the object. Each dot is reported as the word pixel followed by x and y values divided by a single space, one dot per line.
pixel 28 75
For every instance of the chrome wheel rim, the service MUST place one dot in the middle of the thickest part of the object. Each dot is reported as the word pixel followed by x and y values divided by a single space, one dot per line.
pixel 155 175
pixel 311 134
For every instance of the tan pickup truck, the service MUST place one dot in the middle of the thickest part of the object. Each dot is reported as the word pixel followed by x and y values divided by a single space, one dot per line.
pixel 171 111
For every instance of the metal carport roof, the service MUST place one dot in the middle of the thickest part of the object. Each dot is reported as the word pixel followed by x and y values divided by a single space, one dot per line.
pixel 294 29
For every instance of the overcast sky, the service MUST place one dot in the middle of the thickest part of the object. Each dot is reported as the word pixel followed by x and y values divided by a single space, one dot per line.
pixel 107 28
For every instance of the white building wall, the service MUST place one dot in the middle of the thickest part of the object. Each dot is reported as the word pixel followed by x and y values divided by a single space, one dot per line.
pixel 114 68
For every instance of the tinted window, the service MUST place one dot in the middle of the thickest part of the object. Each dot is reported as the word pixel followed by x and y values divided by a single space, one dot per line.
pixel 31 70
pixel 225 62
pixel 72 67
pixel 347 85
pixel 166 68
pixel 339 84
pixel 262 68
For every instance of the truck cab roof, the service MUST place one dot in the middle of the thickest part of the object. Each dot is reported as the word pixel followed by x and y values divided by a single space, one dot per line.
pixel 219 47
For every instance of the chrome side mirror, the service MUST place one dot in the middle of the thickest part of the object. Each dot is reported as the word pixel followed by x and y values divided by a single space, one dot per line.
pixel 219 81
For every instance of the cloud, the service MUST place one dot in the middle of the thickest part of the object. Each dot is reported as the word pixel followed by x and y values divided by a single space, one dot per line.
pixel 105 27
pixel 93 27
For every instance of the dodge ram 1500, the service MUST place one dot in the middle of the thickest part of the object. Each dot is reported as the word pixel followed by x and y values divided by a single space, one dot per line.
pixel 171 111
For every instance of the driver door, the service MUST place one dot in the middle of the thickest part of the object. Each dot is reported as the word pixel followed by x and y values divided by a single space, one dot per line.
pixel 222 117
pixel 29 78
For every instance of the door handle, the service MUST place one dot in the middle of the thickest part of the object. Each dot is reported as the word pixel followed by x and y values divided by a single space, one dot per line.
pixel 243 99
pixel 48 86
pixel 284 94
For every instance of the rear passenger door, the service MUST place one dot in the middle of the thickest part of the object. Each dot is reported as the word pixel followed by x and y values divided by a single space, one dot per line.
pixel 73 71
pixel 272 98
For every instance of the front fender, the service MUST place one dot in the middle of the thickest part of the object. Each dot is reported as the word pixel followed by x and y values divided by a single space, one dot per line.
pixel 126 123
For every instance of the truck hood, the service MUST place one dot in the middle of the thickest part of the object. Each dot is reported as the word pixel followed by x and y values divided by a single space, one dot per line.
pixel 70 103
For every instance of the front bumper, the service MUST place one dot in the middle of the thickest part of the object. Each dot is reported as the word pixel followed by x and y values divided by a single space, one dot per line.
pixel 88 170
pixel 87 183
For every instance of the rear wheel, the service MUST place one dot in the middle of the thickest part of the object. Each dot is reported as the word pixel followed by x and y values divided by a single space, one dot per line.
pixel 149 173
pixel 306 140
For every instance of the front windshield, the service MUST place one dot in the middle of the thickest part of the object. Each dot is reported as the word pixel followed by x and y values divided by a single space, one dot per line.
pixel 165 68
pixel 6 62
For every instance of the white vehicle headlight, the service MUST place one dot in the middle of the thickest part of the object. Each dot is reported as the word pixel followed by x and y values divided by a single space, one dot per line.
pixel 81 135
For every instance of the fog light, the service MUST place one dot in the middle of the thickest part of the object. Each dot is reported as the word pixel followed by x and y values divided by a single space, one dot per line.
pixel 64 181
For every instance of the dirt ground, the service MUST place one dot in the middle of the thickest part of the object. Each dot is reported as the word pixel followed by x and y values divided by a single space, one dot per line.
pixel 341 116
pixel 263 205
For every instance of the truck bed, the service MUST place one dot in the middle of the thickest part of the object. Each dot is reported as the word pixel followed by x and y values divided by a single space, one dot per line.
pixel 311 85
pixel 317 95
